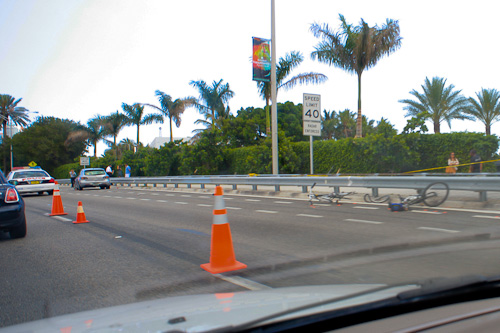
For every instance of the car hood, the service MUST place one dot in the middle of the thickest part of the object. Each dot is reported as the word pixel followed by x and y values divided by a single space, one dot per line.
pixel 200 313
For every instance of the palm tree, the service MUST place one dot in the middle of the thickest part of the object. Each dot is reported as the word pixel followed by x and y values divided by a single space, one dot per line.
pixel 213 98
pixel 355 49
pixel 284 67
pixel 172 109
pixel 329 124
pixel 9 110
pixel 436 103
pixel 487 110
pixel 95 131
pixel 113 124
pixel 135 116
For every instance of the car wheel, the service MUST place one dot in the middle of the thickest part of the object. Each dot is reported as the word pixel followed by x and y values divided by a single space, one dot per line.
pixel 107 187
pixel 20 231
pixel 40 193
pixel 51 192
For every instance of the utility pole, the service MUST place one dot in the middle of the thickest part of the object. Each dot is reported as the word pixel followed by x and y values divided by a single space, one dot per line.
pixel 274 106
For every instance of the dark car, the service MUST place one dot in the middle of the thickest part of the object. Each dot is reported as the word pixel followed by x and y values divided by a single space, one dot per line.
pixel 92 177
pixel 12 217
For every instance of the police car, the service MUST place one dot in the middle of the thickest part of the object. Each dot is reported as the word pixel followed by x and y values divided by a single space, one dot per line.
pixel 31 180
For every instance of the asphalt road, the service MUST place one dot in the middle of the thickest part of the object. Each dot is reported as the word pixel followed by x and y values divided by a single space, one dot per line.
pixel 143 244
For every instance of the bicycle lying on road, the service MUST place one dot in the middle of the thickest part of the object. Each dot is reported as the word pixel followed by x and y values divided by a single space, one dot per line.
pixel 329 197
pixel 433 195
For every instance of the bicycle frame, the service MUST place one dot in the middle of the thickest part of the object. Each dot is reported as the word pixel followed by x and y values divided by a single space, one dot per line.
pixel 328 197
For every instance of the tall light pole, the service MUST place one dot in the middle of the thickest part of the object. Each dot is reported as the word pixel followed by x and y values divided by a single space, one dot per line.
pixel 274 106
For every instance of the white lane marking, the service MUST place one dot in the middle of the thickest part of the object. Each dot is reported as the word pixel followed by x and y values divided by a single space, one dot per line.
pixel 145 199
pixel 233 208
pixel 364 207
pixel 243 282
pixel 181 203
pixel 96 195
pixel 154 194
pixel 487 217
pixel 438 229
pixel 161 201
pixel 309 215
pixel 86 194
pixel 170 195
pixel 129 198
pixel 204 205
pixel 254 200
pixel 228 198
pixel 62 218
pixel 267 211
pixel 425 212
pixel 282 202
pixel 205 197
pixel 186 195
pixel 106 196
pixel 363 221
pixel 116 197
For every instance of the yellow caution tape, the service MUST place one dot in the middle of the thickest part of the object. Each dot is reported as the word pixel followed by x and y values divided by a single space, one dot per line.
pixel 458 165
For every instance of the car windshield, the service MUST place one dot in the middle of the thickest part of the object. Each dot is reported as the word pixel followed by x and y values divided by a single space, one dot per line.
pixel 29 174
pixel 229 149
pixel 94 172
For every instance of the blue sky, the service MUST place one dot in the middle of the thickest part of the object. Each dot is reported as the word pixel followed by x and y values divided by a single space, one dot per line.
pixel 79 58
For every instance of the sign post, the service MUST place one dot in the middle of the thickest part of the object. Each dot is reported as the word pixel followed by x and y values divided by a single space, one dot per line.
pixel 311 121
pixel 84 160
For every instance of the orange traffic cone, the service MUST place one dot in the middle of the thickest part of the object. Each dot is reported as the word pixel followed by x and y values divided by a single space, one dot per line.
pixel 80 215
pixel 222 257
pixel 57 205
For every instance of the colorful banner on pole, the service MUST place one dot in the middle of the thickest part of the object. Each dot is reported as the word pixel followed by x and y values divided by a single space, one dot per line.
pixel 261 59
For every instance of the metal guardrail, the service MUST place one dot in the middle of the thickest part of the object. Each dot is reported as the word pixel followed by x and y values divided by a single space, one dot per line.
pixel 481 183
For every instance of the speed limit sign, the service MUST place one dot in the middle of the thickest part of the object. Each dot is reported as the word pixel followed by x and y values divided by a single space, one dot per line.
pixel 311 116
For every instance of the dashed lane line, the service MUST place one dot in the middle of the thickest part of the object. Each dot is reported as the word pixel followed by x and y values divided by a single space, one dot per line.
pixel 130 198
pixel 161 201
pixel 267 211
pixel 425 212
pixel 145 199
pixel 309 215
pixel 204 205
pixel 181 203
pixel 365 207
pixel 233 208
pixel 487 217
pixel 252 200
pixel 60 218
pixel 438 229
pixel 186 195
pixel 243 282
pixel 364 221
pixel 282 202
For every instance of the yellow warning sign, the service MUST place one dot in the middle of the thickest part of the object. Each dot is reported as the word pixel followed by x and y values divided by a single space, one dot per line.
pixel 32 164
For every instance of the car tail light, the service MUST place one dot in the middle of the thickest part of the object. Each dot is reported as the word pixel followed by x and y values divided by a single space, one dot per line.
pixel 52 180
pixel 106 177
pixel 11 196
pixel 83 178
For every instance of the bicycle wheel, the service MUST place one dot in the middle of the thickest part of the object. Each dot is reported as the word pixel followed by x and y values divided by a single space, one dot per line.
pixel 435 194
pixel 367 198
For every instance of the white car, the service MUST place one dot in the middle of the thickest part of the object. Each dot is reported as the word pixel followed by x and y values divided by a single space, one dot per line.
pixel 31 180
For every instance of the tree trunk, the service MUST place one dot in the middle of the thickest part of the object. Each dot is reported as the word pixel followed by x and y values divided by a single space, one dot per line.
pixel 437 127
pixel 268 118
pixel 171 132
pixel 137 143
pixel 488 130
pixel 359 121
pixel 4 145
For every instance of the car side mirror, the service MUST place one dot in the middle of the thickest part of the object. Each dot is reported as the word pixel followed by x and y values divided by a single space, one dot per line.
pixel 13 182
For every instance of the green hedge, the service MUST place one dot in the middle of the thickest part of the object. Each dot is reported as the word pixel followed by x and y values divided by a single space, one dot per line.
pixel 372 154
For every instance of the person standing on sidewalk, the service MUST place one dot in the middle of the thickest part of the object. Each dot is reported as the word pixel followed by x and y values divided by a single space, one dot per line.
pixel 475 158
pixel 128 171
pixel 72 175
pixel 452 163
